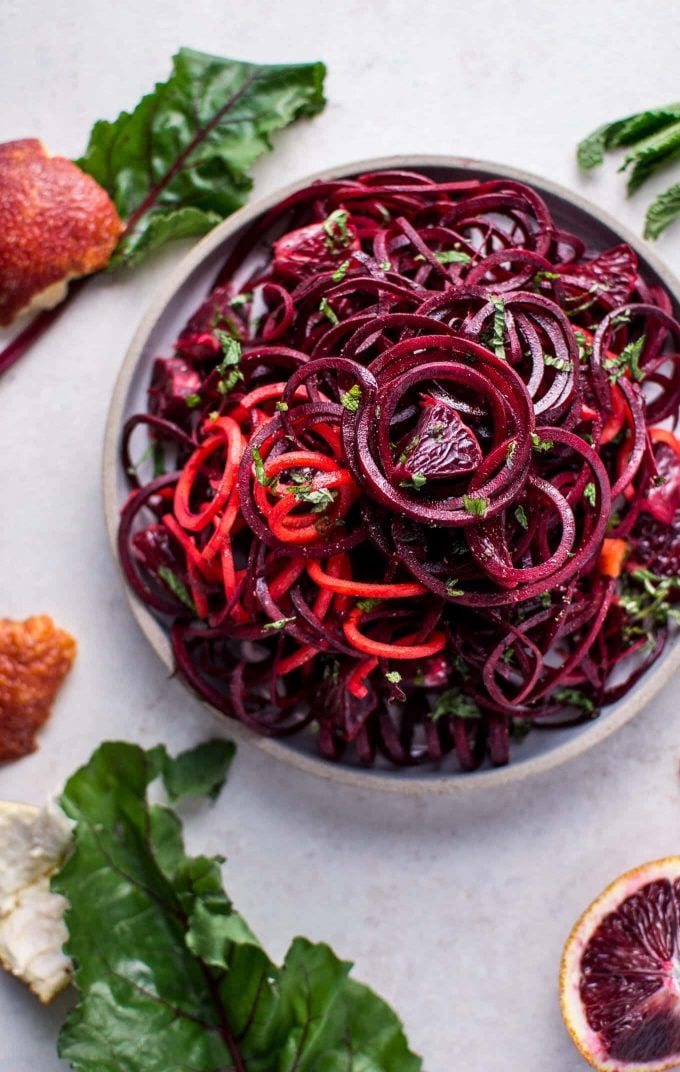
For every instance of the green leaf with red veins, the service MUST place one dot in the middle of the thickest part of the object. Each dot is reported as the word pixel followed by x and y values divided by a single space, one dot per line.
pixel 179 162
pixel 170 975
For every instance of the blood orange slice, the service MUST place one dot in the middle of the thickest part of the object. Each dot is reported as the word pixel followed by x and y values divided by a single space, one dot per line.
pixel 620 976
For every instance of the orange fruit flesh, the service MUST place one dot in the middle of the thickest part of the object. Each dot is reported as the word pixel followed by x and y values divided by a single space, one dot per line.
pixel 620 978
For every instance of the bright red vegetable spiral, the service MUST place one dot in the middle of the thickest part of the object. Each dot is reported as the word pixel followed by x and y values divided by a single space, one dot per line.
pixel 420 498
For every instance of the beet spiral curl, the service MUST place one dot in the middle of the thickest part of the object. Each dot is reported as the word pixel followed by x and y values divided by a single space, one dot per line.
pixel 425 487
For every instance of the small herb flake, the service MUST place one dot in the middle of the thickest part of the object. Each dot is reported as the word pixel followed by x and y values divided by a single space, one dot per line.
pixel 627 361
pixel 340 272
pixel 281 407
pixel 277 626
pixel 385 266
pixel 498 336
pixel 541 444
pixel 478 507
pixel 521 517
pixel 325 308
pixel 559 363
pixel 452 588
pixel 393 676
pixel 177 587
pixel 454 704
pixel 575 698
pixel 590 493
pixel 228 369
pixel 192 401
pixel 338 235
pixel 510 454
pixel 367 605
pixel 263 480
pixel 416 481
pixel 351 399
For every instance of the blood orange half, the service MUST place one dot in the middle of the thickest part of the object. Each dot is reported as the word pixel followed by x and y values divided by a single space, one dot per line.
pixel 620 975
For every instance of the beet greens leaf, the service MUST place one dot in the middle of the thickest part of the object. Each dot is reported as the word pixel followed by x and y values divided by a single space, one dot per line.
pixel 178 163
pixel 171 977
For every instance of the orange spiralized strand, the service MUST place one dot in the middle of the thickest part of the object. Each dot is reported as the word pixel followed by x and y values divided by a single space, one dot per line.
pixel 223 527
pixel 242 411
pixel 402 650
pixel 194 556
pixel 362 589
pixel 662 435
pixel 355 682
pixel 224 429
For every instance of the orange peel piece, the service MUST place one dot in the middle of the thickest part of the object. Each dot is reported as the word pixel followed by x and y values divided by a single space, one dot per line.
pixel 35 657
pixel 56 223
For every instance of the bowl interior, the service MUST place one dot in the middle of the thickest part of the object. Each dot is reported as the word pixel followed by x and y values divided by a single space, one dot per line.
pixel 187 287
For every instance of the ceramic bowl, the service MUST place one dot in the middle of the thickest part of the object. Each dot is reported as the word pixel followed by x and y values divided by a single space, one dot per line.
pixel 182 293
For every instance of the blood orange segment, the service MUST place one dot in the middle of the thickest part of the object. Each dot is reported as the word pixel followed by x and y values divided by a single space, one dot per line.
pixel 620 975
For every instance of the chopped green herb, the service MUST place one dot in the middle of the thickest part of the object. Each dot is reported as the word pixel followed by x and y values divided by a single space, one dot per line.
pixel 560 363
pixel 192 401
pixel 540 277
pixel 614 521
pixel 646 601
pixel 156 452
pixel 325 308
pixel 454 703
pixel 448 256
pixel 590 493
pixel 585 347
pixel 416 480
pixel 240 299
pixel 337 233
pixel 508 654
pixel 478 507
pixel 319 498
pixel 521 517
pixel 393 676
pixel 350 399
pixel 228 369
pixel 546 599
pixel 340 272
pixel 621 318
pixel 576 698
pixel 498 336
pixel 177 587
pixel 278 625
pixel 627 360
pixel 281 407
pixel 367 605
pixel 409 448
pixel 263 480
pixel 541 444
pixel 385 266
pixel 452 588
pixel 512 447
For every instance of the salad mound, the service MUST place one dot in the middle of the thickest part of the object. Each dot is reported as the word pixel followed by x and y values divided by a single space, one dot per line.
pixel 411 478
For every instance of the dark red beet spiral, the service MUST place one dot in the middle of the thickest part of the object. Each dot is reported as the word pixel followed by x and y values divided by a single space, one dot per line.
pixel 421 500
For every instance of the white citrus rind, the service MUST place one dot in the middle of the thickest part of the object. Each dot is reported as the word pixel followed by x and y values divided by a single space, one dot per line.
pixel 33 844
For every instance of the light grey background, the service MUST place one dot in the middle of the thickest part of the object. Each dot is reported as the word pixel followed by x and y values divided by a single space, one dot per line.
pixel 455 909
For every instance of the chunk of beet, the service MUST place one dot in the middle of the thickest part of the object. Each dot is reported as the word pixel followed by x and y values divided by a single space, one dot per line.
pixel 172 381
pixel 441 447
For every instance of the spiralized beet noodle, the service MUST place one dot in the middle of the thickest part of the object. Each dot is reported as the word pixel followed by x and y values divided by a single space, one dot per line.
pixel 424 490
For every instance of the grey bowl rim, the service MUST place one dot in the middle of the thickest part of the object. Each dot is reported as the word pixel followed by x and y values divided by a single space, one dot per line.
pixel 406 781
